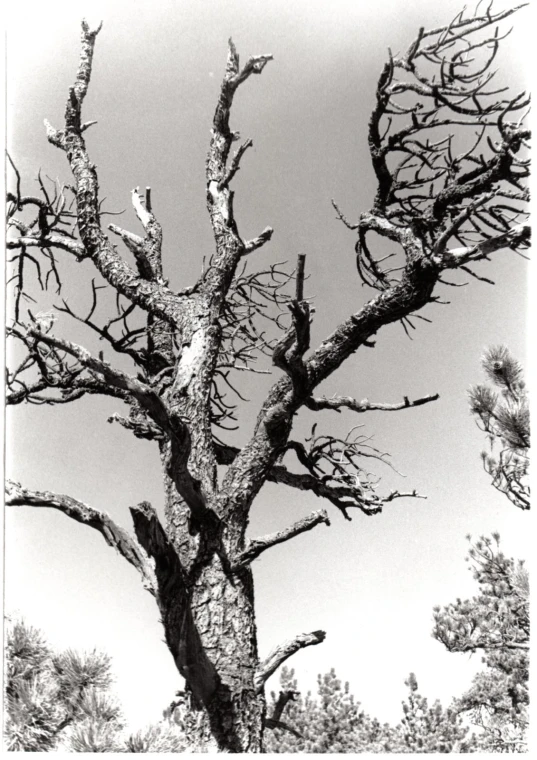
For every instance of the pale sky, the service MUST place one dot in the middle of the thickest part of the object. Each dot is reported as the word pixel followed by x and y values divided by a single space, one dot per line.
pixel 372 583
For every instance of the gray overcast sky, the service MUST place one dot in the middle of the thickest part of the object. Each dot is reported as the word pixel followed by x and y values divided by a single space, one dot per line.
pixel 371 584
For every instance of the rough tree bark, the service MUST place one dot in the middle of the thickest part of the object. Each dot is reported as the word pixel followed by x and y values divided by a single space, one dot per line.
pixel 444 210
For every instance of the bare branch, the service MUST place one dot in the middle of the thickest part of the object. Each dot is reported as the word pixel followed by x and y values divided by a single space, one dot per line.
pixel 339 402
pixel 152 296
pixel 289 350
pixel 143 393
pixel 289 695
pixel 255 243
pixel 59 381
pixel 133 242
pixel 229 245
pixel 235 163
pixel 281 653
pixel 300 265
pixel 275 720
pixel 258 545
pixel 144 429
pixel 343 494
pixel 142 213
pixel 48 241
pixel 152 537
pixel 271 723
pixel 114 536
pixel 456 257
pixel 342 217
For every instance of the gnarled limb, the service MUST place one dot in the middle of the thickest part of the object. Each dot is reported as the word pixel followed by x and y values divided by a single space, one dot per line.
pixel 257 242
pixel 284 697
pixel 514 238
pixel 344 496
pixel 48 241
pixel 179 445
pixel 282 653
pixel 229 245
pixel 152 537
pixel 272 723
pixel 147 397
pixel 71 389
pixel 114 536
pixel 275 719
pixel 416 203
pixel 59 382
pixel 133 242
pixel 347 402
pixel 141 428
pixel 289 350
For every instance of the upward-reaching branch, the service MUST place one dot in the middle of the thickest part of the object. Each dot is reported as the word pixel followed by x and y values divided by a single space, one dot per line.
pixel 152 296
pixel 229 245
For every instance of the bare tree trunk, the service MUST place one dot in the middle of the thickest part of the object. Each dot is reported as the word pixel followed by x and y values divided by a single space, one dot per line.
pixel 223 615
pixel 210 628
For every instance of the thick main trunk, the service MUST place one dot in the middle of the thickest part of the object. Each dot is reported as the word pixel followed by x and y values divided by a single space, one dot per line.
pixel 211 633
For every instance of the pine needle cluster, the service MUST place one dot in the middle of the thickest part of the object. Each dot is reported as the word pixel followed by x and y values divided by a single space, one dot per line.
pixel 505 417
pixel 63 702
pixel 57 700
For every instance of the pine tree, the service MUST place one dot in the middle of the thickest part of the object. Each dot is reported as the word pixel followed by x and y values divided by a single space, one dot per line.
pixel 331 722
pixel 62 702
pixel 334 722
pixel 172 357
pixel 505 417
pixel 495 622
pixel 430 729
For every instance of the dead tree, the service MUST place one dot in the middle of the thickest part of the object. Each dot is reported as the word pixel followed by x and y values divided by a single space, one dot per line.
pixel 449 154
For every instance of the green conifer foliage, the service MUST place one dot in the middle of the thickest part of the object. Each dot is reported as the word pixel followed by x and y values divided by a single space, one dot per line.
pixel 505 417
